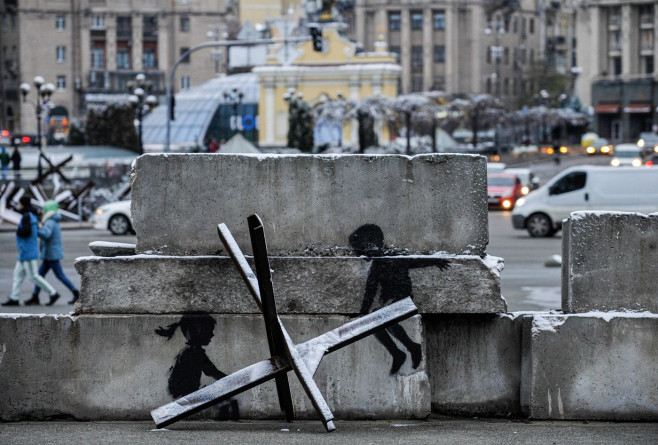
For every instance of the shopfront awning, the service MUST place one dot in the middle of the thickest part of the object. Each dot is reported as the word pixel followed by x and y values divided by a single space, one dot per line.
pixel 637 108
pixel 607 109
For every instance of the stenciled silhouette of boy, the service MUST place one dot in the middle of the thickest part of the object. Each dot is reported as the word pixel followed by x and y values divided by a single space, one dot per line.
pixel 391 275
pixel 191 361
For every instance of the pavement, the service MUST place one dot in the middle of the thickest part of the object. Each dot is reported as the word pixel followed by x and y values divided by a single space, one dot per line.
pixel 443 430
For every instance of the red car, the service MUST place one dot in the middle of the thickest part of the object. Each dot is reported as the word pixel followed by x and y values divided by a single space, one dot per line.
pixel 503 190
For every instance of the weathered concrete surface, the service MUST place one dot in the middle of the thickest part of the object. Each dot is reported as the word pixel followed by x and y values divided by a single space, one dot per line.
pixel 117 367
pixel 474 364
pixel 303 285
pixel 310 204
pixel 598 366
pixel 103 248
pixel 610 261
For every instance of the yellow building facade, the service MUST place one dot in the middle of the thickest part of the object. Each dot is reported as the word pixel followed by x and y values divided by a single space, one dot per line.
pixel 337 70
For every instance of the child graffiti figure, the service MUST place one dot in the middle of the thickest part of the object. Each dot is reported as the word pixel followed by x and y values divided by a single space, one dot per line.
pixel 391 275
pixel 191 361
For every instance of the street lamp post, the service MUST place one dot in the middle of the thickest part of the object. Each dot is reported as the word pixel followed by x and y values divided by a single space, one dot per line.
pixel 234 97
pixel 44 92
pixel 141 101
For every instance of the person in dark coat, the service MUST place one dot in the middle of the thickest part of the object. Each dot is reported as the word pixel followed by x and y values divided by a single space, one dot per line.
pixel 28 253
pixel 51 249
pixel 16 161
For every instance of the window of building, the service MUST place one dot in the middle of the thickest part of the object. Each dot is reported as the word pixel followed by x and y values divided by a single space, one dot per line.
pixel 490 51
pixel 616 66
pixel 124 28
pixel 515 24
pixel 615 41
pixel 416 20
pixel 646 39
pixel 185 82
pixel 439 83
pixel 150 26
pixel 183 50
pixel 61 82
pixel 184 24
pixel 416 84
pixel 646 14
pixel 98 22
pixel 395 50
pixel 506 86
pixel 439 54
pixel 439 20
pixel 488 85
pixel 60 23
pixel 506 56
pixel 648 65
pixel 98 57
pixel 531 26
pixel 60 54
pixel 394 21
pixel 123 58
pixel 149 60
pixel 416 56
pixel 614 17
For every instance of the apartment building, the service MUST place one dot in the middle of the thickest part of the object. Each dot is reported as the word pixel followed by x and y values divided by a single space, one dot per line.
pixel 91 49
pixel 617 54
pixel 457 46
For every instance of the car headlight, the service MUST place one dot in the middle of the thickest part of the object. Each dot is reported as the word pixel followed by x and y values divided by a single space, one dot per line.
pixel 525 190
pixel 592 150
pixel 99 211
pixel 640 143
pixel 655 149
pixel 615 162
pixel 520 202
pixel 605 149
pixel 563 149
pixel 637 162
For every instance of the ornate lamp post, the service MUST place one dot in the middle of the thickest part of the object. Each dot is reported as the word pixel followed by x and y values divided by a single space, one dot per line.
pixel 44 91
pixel 234 97
pixel 141 102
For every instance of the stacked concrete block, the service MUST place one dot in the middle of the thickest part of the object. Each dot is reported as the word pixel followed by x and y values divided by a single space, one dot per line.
pixel 600 359
pixel 112 364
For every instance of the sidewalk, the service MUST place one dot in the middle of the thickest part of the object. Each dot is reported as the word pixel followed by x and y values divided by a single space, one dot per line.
pixel 65 225
pixel 443 430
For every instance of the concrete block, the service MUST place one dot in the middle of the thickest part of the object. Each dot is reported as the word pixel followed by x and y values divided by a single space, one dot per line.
pixel 303 285
pixel 610 262
pixel 474 364
pixel 590 367
pixel 108 249
pixel 310 204
pixel 117 367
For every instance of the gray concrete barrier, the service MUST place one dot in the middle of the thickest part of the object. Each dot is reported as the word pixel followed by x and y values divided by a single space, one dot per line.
pixel 117 367
pixel 310 204
pixel 590 367
pixel 609 262
pixel 303 285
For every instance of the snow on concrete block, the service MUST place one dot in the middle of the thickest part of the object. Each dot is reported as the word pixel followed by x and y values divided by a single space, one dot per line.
pixel 474 364
pixel 610 261
pixel 120 368
pixel 303 285
pixel 310 203
pixel 601 365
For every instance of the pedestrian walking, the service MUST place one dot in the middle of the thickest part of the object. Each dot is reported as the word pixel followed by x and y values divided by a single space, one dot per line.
pixel 16 161
pixel 4 162
pixel 28 253
pixel 52 251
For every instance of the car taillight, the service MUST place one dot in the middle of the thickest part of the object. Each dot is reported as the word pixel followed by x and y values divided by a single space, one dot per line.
pixel 25 139
pixel 649 164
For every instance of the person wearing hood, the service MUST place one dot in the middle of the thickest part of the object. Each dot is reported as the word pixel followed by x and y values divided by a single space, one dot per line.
pixel 28 253
pixel 51 249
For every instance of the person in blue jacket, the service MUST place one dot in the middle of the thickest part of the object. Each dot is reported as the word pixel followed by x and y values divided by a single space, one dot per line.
pixel 28 253
pixel 50 234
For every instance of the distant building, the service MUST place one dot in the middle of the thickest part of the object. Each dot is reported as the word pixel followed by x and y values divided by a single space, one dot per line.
pixel 617 53
pixel 91 49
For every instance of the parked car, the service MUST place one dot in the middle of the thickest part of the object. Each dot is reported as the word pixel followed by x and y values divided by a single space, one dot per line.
pixel 627 155
pixel 599 146
pixel 586 187
pixel 529 181
pixel 503 190
pixel 648 142
pixel 114 217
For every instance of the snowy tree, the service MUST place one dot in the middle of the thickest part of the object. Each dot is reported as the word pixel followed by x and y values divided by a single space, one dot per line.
pixel 300 122
pixel 477 111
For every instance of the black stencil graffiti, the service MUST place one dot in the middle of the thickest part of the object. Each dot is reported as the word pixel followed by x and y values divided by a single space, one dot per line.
pixel 391 277
pixel 192 360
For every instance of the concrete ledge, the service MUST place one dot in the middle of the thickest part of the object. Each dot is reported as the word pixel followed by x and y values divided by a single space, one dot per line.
pixel 590 367
pixel 310 204
pixel 303 285
pixel 610 262
pixel 117 368
pixel 474 364
pixel 108 249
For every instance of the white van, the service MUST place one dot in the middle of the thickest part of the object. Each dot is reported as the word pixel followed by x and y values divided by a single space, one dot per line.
pixel 586 188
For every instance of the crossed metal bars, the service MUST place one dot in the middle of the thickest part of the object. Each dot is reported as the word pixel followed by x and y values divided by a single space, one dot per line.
pixel 304 359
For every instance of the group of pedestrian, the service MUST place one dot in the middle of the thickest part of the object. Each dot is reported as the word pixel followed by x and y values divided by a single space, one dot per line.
pixel 15 159
pixel 28 233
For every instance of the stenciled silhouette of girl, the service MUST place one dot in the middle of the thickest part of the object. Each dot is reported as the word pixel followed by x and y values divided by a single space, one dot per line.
pixel 391 275
pixel 191 361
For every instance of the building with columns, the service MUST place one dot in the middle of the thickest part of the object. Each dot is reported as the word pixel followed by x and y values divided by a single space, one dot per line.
pixel 617 54
pixel 91 49
pixel 454 46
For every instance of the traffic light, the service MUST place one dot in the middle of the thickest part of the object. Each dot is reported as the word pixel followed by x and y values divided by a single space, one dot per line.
pixel 171 108
pixel 316 34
